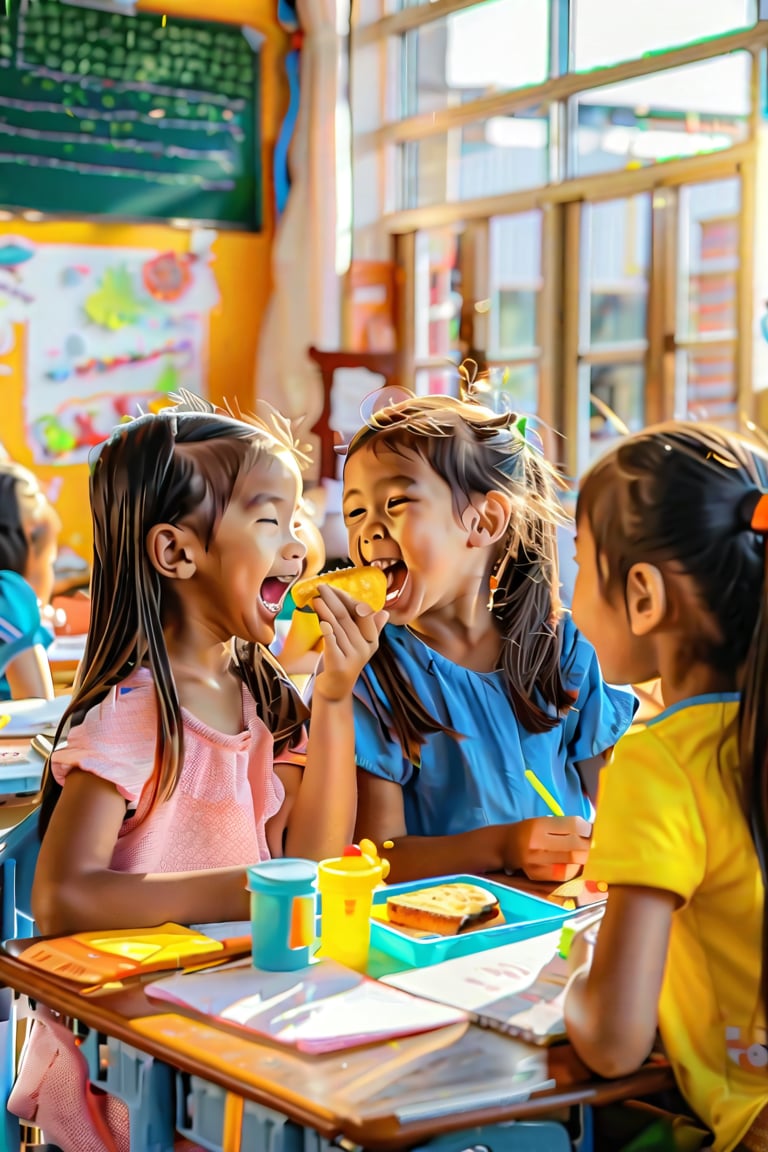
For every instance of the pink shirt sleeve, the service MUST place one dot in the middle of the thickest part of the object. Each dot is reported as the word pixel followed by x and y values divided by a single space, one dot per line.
pixel 295 753
pixel 115 741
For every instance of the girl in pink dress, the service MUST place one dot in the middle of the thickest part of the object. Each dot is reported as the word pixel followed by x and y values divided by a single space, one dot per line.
pixel 185 757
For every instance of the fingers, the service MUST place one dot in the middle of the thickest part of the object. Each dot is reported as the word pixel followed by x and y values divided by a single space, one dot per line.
pixel 351 635
pixel 347 619
pixel 558 834
pixel 552 872
pixel 567 825
pixel 549 847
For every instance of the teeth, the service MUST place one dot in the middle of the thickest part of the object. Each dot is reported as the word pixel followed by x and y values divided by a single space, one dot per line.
pixel 383 564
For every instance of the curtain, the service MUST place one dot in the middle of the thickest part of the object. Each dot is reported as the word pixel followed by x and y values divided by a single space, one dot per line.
pixel 305 302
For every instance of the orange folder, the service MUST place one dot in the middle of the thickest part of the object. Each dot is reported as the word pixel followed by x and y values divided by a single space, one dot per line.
pixel 100 957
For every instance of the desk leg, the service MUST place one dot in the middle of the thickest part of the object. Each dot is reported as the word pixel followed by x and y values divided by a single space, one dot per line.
pixel 233 1123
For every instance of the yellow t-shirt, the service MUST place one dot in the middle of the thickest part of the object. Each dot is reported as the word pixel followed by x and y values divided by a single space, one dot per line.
pixel 669 816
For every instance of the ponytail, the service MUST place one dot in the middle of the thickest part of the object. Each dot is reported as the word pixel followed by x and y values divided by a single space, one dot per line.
pixel 753 733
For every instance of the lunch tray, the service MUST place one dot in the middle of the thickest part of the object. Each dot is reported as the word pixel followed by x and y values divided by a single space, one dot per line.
pixel 524 916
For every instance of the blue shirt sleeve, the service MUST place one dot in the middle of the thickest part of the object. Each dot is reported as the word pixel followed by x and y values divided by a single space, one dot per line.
pixel 20 624
pixel 601 713
pixel 376 750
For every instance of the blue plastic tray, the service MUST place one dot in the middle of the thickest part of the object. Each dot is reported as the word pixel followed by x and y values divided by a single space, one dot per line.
pixel 524 916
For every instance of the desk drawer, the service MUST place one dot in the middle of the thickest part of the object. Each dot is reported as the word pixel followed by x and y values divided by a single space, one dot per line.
pixel 200 1117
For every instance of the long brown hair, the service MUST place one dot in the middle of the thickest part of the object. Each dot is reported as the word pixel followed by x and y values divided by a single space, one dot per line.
pixel 476 450
pixel 684 494
pixel 167 467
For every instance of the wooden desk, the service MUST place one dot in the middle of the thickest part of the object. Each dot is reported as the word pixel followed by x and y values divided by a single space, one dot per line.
pixel 383 1097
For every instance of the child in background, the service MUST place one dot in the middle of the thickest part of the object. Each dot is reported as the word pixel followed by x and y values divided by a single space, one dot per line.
pixel 29 529
pixel 480 673
pixel 671 548
pixel 184 751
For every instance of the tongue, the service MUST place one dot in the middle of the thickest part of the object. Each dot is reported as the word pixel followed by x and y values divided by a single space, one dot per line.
pixel 272 590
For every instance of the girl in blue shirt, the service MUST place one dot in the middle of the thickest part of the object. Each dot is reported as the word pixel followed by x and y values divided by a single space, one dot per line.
pixel 480 673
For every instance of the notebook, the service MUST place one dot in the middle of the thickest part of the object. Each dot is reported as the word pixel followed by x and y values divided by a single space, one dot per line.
pixel 517 989
pixel 96 958
pixel 321 1008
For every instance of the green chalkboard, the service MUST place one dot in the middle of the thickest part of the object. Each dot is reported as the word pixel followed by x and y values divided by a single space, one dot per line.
pixel 128 116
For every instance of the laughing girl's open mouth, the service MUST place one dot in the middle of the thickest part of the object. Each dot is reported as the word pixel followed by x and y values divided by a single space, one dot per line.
pixel 397 577
pixel 273 592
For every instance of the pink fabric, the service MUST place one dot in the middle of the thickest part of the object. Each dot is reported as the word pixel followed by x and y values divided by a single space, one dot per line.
pixel 53 1093
pixel 225 782
pixel 216 818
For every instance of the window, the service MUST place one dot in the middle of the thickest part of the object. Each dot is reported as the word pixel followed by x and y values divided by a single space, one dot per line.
pixel 613 304
pixel 493 47
pixel 686 111
pixel 609 31
pixel 707 293
pixel 483 158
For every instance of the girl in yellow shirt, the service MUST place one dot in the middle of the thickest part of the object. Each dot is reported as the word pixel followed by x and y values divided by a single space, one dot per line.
pixel 671 547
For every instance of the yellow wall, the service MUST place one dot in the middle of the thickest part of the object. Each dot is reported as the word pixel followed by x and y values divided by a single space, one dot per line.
pixel 241 267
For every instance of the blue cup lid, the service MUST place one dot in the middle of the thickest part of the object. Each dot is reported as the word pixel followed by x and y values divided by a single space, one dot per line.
pixel 287 870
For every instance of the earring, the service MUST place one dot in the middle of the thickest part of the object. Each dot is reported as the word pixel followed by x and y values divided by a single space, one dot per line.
pixel 496 576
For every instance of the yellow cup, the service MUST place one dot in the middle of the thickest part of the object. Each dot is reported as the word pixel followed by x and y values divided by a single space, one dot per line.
pixel 346 884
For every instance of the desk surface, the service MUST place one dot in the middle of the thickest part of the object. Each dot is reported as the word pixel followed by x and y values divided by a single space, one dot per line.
pixel 384 1096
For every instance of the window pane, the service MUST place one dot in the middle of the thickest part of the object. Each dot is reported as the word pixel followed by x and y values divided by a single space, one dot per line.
pixel 686 111
pixel 515 283
pixel 708 381
pixel 514 387
pixel 616 241
pixel 484 158
pixel 493 47
pixel 437 294
pixel 708 260
pixel 607 31
pixel 617 399
pixel 437 381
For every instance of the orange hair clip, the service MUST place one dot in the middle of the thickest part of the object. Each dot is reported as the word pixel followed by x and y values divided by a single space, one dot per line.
pixel 759 522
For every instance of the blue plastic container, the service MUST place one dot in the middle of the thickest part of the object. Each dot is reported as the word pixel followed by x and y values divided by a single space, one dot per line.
pixel 524 916
pixel 283 913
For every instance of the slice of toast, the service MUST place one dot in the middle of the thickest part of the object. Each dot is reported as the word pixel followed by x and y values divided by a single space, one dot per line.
pixel 446 909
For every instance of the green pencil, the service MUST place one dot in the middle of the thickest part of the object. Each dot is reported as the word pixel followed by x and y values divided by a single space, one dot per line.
pixel 545 794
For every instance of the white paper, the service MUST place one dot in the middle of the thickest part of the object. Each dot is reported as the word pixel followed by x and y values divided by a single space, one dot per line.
pixel 472 982
pixel 28 717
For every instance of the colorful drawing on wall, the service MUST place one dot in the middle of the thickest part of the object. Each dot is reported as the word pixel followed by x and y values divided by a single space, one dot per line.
pixel 101 346
pixel 15 256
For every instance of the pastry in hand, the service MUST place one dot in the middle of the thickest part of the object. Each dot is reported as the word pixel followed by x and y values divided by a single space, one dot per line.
pixel 367 584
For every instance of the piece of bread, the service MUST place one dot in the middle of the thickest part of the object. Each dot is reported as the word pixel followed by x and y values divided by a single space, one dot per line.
pixel 446 909
pixel 367 584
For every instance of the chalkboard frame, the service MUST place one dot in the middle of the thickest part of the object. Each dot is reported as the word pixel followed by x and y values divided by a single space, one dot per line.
pixel 171 180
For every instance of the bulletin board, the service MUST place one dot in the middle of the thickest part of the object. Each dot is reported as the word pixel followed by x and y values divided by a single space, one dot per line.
pixel 161 116
pixel 110 332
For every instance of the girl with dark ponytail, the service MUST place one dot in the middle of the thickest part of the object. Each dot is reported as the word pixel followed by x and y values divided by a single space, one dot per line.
pixel 672 528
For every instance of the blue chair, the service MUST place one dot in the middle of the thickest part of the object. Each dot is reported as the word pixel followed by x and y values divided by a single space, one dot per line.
pixel 19 844
pixel 145 1084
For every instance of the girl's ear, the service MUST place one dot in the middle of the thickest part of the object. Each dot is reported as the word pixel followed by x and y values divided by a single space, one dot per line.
pixel 171 551
pixel 646 598
pixel 487 518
